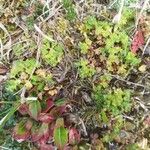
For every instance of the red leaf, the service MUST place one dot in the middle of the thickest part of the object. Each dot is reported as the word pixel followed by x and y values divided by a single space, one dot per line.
pixel 68 148
pixel 35 136
pixel 62 109
pixel 74 136
pixel 45 118
pixel 21 137
pixel 23 109
pixel 45 133
pixel 47 147
pixel 49 105
pixel 28 125
pixel 138 41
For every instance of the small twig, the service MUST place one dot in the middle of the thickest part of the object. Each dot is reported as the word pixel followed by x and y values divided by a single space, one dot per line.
pixel 141 104
pixel 112 4
pixel 128 117
pixel 54 12
pixel 7 45
pixel 6 102
pixel 128 82
pixel 1 48
pixel 4 148
pixel 32 1
pixel 23 95
pixel 42 33
pixel 83 126
pixel 147 43
pixel 117 17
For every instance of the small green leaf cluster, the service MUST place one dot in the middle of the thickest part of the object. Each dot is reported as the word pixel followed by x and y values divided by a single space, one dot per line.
pixel 52 53
pixel 21 75
pixel 116 128
pixel 85 45
pixel 22 66
pixel 19 67
pixel 90 23
pixel 114 101
pixel 84 69
pixel 132 60
pixel 70 11
pixel 126 19
pixel 41 81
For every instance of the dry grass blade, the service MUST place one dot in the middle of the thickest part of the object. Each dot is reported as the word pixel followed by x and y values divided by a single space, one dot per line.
pixel 7 46
pixel 42 33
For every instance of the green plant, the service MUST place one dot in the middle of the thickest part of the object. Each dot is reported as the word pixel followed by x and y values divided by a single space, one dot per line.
pixel 84 69
pixel 133 147
pixel 115 130
pixel 70 11
pixel 103 28
pixel 22 66
pixel 113 101
pixel 90 22
pixel 21 75
pixel 84 46
pixel 132 59
pixel 52 53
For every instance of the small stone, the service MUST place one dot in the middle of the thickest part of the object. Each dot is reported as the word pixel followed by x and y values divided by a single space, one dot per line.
pixel 142 68
pixel 41 73
pixel 24 76
pixel 52 92
pixel 28 85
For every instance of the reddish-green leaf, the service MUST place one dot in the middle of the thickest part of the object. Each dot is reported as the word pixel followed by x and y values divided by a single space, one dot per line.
pixel 44 131
pixel 34 109
pixel 35 135
pixel 58 111
pixel 21 133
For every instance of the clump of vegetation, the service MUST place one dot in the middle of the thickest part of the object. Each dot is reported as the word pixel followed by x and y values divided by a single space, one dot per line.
pixel 69 8
pixel 84 69
pixel 52 53
pixel 77 76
